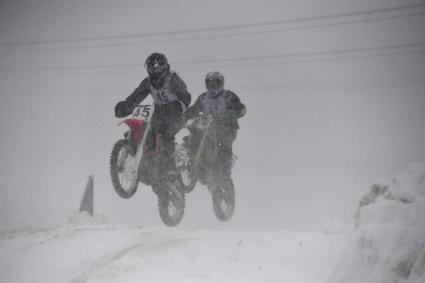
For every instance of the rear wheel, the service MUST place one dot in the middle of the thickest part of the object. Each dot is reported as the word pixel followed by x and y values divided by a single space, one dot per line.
pixel 171 203
pixel 223 197
pixel 123 168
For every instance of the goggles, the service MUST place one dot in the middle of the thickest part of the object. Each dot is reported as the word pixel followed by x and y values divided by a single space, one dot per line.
pixel 214 83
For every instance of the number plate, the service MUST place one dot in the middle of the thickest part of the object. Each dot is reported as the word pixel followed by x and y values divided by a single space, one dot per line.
pixel 200 123
pixel 143 112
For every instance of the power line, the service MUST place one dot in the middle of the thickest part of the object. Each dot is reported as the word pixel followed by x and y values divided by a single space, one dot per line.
pixel 227 28
pixel 272 30
pixel 366 84
pixel 303 60
pixel 233 34
pixel 329 55
pixel 304 54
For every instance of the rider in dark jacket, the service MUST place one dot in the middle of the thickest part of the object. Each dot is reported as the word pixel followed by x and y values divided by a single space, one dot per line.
pixel 171 98
pixel 225 107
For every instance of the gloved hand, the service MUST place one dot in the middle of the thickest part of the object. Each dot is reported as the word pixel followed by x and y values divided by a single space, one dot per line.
pixel 190 114
pixel 122 109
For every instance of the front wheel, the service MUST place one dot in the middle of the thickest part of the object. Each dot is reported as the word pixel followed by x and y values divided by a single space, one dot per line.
pixel 223 197
pixel 171 203
pixel 123 168
pixel 187 178
pixel 186 172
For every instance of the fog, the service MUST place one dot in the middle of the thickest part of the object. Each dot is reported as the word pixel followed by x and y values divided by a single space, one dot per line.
pixel 334 91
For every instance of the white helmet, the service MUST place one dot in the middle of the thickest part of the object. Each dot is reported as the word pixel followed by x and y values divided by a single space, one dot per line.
pixel 214 81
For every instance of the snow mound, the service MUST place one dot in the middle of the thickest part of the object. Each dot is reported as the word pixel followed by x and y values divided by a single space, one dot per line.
pixel 84 218
pixel 388 244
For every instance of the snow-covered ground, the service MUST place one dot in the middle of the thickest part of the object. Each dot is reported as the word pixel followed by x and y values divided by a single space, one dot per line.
pixel 93 252
pixel 386 246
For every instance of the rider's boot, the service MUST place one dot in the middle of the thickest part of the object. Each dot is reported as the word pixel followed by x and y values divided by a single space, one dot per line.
pixel 225 158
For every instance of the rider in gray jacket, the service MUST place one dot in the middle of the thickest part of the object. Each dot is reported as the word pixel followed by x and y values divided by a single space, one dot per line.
pixel 225 107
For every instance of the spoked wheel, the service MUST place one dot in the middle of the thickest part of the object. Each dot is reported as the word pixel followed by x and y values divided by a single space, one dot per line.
pixel 123 168
pixel 187 177
pixel 223 197
pixel 186 172
pixel 171 203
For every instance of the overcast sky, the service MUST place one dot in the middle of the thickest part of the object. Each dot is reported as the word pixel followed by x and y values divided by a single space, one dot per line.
pixel 335 98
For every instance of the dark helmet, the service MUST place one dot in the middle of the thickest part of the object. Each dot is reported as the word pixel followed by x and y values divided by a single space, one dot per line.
pixel 157 66
pixel 214 82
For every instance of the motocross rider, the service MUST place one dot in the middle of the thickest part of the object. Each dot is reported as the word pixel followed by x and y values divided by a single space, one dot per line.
pixel 225 108
pixel 171 98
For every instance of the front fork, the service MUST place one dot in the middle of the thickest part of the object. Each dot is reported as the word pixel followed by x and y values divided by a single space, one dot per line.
pixel 140 152
pixel 201 144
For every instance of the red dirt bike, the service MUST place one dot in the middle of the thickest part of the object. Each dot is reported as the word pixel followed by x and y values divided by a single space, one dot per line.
pixel 197 160
pixel 132 162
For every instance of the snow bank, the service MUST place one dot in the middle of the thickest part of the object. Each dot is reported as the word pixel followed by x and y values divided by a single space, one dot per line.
pixel 388 244
pixel 84 218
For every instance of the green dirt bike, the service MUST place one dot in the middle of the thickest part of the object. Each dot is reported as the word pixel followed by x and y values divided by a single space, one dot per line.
pixel 197 160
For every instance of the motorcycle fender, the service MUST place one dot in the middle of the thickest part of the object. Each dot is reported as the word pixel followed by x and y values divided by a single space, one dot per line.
pixel 137 129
